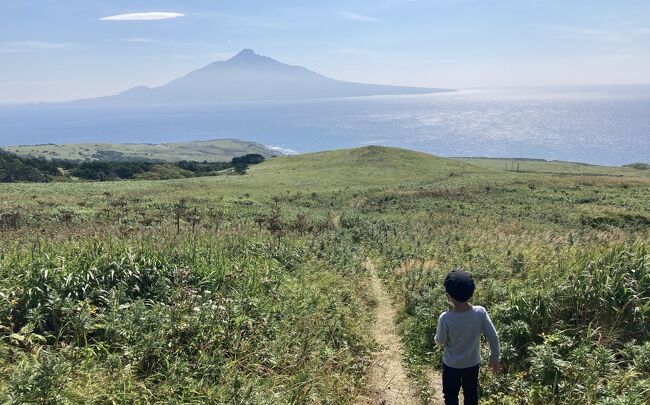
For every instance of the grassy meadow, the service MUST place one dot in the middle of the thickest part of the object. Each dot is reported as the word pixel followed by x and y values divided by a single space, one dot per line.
pixel 252 288
pixel 557 167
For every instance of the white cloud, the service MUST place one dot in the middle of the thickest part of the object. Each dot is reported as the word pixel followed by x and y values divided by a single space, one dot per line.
pixel 150 16
pixel 357 17
pixel 35 46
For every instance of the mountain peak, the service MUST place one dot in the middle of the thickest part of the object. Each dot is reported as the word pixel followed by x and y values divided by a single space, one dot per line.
pixel 245 54
pixel 249 76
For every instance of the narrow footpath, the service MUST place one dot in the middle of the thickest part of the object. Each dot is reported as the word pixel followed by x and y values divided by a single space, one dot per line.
pixel 387 379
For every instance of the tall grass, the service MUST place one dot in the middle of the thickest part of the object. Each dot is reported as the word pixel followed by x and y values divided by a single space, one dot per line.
pixel 251 289
pixel 574 320
pixel 206 319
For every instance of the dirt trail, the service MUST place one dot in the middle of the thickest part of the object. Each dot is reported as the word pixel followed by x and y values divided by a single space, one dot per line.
pixel 387 378
pixel 435 383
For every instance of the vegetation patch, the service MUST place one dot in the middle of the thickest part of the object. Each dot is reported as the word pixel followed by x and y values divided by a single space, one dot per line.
pixel 18 169
pixel 620 220
pixel 252 289
pixel 218 150
pixel 639 166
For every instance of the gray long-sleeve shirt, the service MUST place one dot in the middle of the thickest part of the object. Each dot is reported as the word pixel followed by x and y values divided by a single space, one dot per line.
pixel 460 334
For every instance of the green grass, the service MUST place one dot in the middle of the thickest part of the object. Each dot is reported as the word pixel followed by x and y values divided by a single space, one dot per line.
pixel 554 167
pixel 213 151
pixel 366 167
pixel 347 169
pixel 100 281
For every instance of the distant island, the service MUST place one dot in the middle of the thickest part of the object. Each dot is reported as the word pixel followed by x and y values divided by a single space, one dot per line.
pixel 249 76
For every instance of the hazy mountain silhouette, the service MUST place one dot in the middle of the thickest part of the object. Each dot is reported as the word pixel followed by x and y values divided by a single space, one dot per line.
pixel 248 76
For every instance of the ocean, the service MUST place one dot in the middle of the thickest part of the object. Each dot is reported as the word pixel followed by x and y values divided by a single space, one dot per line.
pixel 600 125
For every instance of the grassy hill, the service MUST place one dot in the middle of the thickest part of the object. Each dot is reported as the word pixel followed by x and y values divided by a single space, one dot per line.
pixel 218 150
pixel 255 288
pixel 345 169
pixel 367 168
pixel 370 166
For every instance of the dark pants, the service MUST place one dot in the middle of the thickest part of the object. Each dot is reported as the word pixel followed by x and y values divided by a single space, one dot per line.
pixel 454 378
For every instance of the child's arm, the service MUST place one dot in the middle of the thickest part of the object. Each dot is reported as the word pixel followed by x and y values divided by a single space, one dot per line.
pixel 493 341
pixel 441 331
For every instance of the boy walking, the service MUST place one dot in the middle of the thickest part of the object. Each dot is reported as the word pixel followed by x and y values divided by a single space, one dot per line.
pixel 459 332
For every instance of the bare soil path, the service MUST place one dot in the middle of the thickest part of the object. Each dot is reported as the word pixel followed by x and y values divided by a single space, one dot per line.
pixel 435 382
pixel 387 378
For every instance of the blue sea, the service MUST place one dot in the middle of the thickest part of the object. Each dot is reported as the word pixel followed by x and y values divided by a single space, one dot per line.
pixel 600 125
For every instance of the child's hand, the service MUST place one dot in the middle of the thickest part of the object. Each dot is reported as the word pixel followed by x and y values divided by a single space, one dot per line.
pixel 495 366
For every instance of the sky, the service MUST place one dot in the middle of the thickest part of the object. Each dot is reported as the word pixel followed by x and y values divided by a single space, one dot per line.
pixel 53 50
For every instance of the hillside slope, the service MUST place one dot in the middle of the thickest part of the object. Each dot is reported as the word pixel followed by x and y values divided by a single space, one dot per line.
pixel 360 167
pixel 218 150
pixel 345 169
pixel 555 167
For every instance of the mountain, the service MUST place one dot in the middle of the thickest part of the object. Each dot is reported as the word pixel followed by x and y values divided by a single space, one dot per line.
pixel 218 150
pixel 249 76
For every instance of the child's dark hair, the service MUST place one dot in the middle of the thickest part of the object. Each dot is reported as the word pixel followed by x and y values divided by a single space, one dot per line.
pixel 459 284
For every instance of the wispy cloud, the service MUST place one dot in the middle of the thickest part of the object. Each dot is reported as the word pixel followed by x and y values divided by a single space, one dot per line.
pixel 149 16
pixel 35 46
pixel 357 17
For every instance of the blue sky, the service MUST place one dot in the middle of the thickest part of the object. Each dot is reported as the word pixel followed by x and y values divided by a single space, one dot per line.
pixel 66 49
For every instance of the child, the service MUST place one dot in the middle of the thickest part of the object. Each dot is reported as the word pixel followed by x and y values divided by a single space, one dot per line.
pixel 459 332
